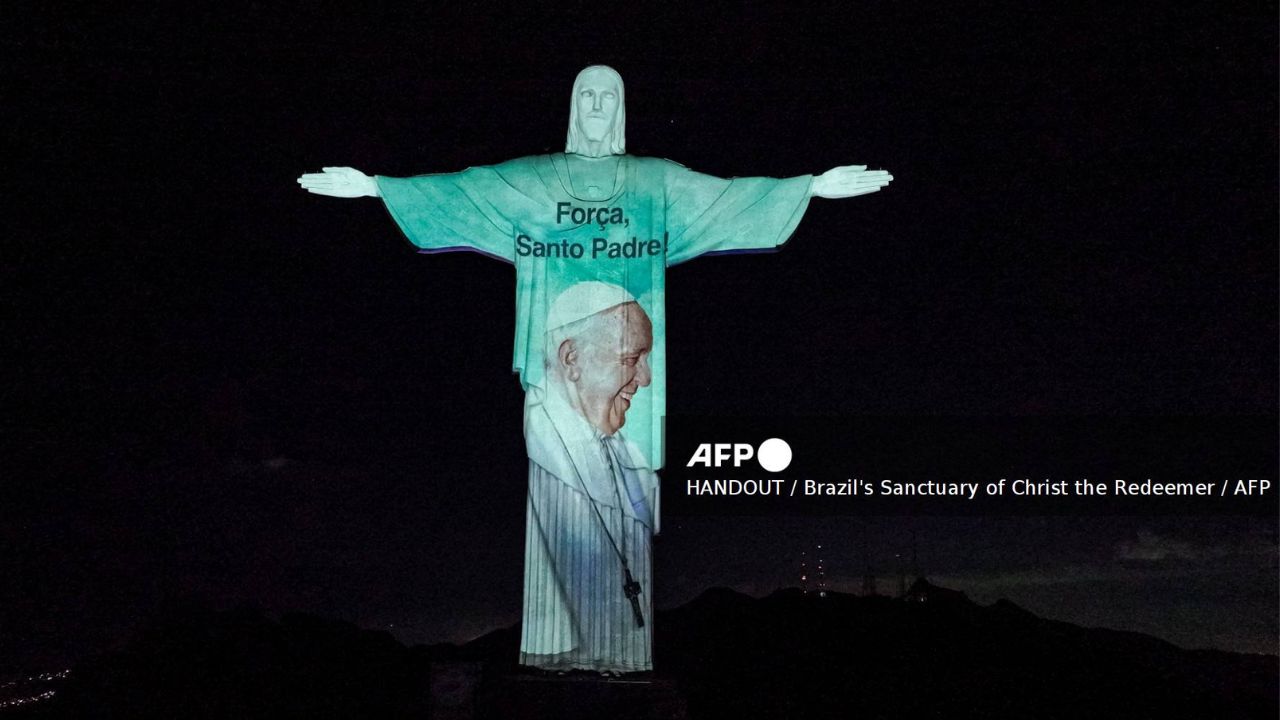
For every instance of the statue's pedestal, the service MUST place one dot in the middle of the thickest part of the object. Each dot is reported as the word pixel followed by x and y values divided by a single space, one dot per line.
pixel 533 697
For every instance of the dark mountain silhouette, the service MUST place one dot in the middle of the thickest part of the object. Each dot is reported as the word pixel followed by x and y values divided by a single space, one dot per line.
pixel 789 655
pixel 194 663
pixel 937 654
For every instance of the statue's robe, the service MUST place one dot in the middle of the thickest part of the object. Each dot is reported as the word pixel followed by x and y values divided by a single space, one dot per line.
pixel 645 215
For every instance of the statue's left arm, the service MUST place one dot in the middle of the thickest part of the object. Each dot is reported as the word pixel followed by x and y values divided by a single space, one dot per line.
pixel 711 215
pixel 849 181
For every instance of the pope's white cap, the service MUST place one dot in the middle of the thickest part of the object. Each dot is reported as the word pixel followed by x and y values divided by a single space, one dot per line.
pixel 584 300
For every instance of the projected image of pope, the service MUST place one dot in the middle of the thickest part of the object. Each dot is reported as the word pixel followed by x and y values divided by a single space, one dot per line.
pixel 591 232
pixel 597 362
pixel 592 494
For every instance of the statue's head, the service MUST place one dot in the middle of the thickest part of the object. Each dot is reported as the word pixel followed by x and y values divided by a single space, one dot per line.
pixel 597 114
pixel 597 353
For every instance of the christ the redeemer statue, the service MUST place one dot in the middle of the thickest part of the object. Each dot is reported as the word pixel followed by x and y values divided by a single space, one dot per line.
pixel 591 232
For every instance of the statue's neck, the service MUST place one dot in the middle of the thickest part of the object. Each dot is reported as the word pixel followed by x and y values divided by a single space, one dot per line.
pixel 596 150
pixel 593 178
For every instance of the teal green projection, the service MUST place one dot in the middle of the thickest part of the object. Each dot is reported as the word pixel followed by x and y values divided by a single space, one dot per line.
pixel 591 232
pixel 647 213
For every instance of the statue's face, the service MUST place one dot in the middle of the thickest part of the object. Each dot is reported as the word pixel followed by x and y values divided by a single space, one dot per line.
pixel 613 364
pixel 597 98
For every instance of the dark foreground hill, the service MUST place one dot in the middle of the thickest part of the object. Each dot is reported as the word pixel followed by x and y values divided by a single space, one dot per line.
pixel 935 654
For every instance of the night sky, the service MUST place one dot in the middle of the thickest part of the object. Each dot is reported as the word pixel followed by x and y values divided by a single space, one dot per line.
pixel 226 390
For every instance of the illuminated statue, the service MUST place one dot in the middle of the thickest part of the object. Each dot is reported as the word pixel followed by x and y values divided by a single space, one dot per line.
pixel 591 232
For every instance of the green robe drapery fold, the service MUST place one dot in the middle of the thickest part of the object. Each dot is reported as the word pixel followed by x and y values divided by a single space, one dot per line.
pixel 657 213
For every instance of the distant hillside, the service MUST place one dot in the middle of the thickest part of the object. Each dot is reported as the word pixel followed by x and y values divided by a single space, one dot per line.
pixel 788 655
pixel 940 655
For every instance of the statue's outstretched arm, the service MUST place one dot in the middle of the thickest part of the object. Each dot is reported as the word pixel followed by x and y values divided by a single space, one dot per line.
pixel 339 182
pixel 849 181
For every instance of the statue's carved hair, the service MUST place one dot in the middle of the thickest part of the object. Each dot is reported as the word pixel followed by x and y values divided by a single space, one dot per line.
pixel 617 140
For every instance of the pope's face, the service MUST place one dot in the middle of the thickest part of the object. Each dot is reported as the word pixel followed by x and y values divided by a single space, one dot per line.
pixel 613 364
pixel 597 99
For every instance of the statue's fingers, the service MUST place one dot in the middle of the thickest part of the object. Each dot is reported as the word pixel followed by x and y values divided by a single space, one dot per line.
pixel 863 178
pixel 861 182
pixel 845 170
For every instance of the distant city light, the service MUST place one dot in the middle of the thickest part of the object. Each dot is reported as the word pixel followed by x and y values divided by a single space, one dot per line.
pixel 16 702
pixel 39 697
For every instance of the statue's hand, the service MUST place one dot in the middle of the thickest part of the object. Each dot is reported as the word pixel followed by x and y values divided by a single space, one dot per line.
pixel 339 182
pixel 848 181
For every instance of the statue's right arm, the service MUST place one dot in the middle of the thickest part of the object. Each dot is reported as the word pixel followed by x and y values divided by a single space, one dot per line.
pixel 340 182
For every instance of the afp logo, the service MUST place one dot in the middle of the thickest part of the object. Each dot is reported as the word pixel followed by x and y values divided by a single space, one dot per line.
pixel 773 455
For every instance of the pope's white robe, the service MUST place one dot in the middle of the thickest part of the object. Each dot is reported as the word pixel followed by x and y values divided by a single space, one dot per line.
pixel 576 615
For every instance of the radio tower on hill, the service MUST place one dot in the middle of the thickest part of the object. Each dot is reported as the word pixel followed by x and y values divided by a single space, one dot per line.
pixel 868 577
pixel 813 573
